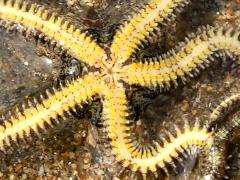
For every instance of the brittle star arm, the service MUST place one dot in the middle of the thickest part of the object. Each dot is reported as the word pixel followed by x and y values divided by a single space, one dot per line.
pixel 216 160
pixel 129 151
pixel 194 54
pixel 54 27
pixel 36 115
pixel 132 33
pixel 224 107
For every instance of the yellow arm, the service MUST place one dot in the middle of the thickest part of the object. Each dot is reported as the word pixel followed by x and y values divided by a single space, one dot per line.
pixel 53 107
pixel 124 145
pixel 132 33
pixel 56 28
pixel 194 54
pixel 224 107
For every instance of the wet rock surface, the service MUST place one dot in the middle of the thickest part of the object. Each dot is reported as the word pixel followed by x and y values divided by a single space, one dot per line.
pixel 78 149
pixel 25 68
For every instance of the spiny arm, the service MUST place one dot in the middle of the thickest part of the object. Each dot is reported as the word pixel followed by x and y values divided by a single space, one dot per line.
pixel 130 152
pixel 224 134
pixel 224 107
pixel 36 115
pixel 228 105
pixel 193 55
pixel 216 164
pixel 56 28
pixel 132 33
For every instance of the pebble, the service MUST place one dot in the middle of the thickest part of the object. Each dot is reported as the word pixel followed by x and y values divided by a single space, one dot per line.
pixel 87 160
pixel 210 89
pixel 91 138
pixel 24 176
pixel 74 166
pixel 185 106
pixel 41 171
pixel 12 177
pixel 72 155
pixel 194 112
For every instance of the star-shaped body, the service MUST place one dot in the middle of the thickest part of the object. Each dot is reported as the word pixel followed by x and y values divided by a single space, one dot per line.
pixel 112 72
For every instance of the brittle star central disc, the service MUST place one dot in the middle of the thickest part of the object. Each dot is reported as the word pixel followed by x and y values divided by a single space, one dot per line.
pixel 111 72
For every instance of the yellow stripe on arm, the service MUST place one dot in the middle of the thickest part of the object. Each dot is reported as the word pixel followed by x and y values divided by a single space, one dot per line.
pixel 54 106
pixel 224 107
pixel 226 129
pixel 124 145
pixel 132 33
pixel 56 28
pixel 193 55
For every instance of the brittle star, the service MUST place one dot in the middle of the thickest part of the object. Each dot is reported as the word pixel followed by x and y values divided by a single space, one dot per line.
pixel 112 72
